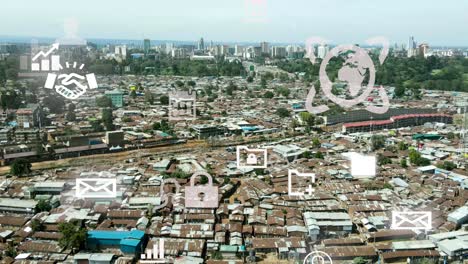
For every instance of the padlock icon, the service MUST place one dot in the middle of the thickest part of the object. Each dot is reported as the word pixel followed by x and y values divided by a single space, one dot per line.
pixel 165 197
pixel 201 196
pixel 252 159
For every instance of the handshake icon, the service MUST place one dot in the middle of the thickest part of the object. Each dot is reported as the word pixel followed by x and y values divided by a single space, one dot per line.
pixel 71 85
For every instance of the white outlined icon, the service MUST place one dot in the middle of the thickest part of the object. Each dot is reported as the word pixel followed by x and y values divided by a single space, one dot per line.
pixel 47 62
pixel 71 85
pixel 165 197
pixel 96 188
pixel 298 175
pixel 357 64
pixel 182 105
pixel 156 255
pixel 411 220
pixel 250 158
pixel 317 257
pixel 201 196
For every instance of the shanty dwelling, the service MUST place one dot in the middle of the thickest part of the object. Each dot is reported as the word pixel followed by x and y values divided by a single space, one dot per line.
pixel 413 250
pixel 94 258
pixel 454 244
pixel 129 242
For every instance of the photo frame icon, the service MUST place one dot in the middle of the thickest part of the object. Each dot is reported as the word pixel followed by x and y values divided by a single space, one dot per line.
pixel 254 157
pixel 309 189
pixel 182 105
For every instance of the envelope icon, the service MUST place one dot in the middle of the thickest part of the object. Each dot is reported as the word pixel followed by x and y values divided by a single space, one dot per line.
pixel 298 174
pixel 96 188
pixel 415 220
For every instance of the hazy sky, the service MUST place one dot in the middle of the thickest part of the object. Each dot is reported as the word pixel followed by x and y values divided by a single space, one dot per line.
pixel 341 21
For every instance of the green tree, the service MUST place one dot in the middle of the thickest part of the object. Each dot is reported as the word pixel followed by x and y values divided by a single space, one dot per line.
pixel 43 206
pixel 216 255
pixel 179 83
pixel 316 143
pixel 10 251
pixel 382 160
pixel 268 95
pixel 108 119
pixel 249 79
pixel 164 100
pixel 319 155
pixel 307 118
pixel 447 165
pixel 36 225
pixel 133 94
pixel 403 163
pixel 387 186
pixel 283 112
pixel 96 125
pixel 20 167
pixel 307 154
pixel 71 116
pixel 402 145
pixel 359 260
pixel 400 91
pixel 451 135
pixel 263 82
pixel 378 142
pixel 416 159
pixel 149 97
pixel 73 235
pixel 103 101
pixel 56 104
pixel 283 91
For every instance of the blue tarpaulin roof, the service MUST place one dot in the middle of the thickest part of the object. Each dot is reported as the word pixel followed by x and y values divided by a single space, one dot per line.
pixel 98 234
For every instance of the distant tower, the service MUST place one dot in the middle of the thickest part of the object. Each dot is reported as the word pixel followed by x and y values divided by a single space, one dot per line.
pixel 322 51
pixel 411 51
pixel 201 44
pixel 423 49
pixel 146 45
pixel 265 47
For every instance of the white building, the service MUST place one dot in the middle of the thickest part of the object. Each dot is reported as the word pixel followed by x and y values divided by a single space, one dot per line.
pixel 411 48
pixel 178 53
pixel 169 48
pixel 238 50
pixel 278 52
pixel 265 47
pixel 322 51
pixel 121 51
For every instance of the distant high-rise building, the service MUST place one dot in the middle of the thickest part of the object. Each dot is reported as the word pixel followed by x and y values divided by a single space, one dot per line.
pixel 239 50
pixel 322 51
pixel 146 45
pixel 169 47
pixel 278 52
pixel 265 47
pixel 121 51
pixel 411 51
pixel 201 44
pixel 423 49
pixel 179 53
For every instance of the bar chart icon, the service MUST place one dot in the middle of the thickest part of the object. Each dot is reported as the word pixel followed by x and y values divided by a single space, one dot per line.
pixel 155 255
pixel 44 61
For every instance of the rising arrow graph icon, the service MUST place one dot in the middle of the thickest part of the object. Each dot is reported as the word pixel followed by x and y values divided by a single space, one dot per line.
pixel 55 46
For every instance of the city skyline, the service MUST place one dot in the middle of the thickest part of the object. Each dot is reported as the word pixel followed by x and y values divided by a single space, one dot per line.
pixel 246 21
